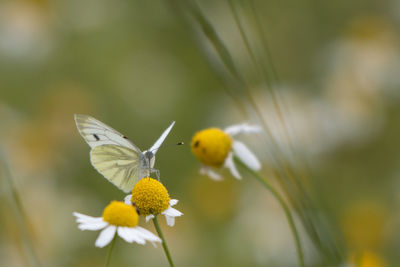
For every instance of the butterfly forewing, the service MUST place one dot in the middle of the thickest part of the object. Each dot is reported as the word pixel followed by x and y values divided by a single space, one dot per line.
pixel 118 164
pixel 161 139
pixel 97 133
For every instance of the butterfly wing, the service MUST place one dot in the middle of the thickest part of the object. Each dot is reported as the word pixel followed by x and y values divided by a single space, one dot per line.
pixel 153 149
pixel 97 133
pixel 112 154
pixel 118 164
pixel 161 139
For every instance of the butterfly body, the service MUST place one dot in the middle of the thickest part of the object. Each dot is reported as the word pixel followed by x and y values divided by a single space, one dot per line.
pixel 114 155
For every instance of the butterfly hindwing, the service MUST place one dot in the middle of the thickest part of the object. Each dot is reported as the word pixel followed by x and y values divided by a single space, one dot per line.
pixel 118 164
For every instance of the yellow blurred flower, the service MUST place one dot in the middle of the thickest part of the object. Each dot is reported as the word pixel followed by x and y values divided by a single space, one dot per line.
pixel 215 148
pixel 363 225
pixel 220 203
pixel 211 146
pixel 367 259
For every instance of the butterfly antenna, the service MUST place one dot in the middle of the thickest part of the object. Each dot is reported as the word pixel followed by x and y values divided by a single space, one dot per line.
pixel 177 144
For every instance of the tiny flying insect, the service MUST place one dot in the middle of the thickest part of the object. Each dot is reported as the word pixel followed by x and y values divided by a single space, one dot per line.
pixel 119 160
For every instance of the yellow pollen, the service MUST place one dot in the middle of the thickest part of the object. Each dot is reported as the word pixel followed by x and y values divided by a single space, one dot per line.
pixel 120 214
pixel 150 196
pixel 211 146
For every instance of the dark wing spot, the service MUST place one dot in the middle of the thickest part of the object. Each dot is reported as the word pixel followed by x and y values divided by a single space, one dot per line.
pixel 124 137
pixel 96 137
pixel 197 143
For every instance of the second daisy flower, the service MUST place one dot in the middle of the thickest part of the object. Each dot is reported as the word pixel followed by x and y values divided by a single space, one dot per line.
pixel 151 198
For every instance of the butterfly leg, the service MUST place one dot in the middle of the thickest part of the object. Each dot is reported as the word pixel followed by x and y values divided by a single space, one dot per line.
pixel 157 172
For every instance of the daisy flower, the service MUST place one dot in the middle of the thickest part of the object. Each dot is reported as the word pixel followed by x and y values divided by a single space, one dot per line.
pixel 151 198
pixel 215 148
pixel 118 218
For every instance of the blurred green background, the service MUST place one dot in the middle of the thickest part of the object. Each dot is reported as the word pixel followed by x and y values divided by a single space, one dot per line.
pixel 137 66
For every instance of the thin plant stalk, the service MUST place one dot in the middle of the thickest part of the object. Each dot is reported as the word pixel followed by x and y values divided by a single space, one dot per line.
pixel 22 218
pixel 260 67
pixel 164 243
pixel 291 189
pixel 297 187
pixel 110 250
pixel 287 178
pixel 285 208
pixel 260 31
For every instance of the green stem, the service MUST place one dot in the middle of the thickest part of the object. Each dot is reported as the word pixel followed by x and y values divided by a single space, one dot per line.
pixel 285 207
pixel 108 259
pixel 22 218
pixel 164 243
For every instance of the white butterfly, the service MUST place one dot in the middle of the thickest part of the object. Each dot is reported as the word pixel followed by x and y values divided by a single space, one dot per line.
pixel 114 156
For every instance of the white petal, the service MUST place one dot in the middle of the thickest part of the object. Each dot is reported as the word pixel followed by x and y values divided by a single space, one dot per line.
pixel 246 156
pixel 128 199
pixel 149 217
pixel 173 202
pixel 231 166
pixel 106 236
pixel 242 128
pixel 170 220
pixel 161 139
pixel 89 223
pixel 170 215
pixel 94 226
pixel 172 212
pixel 129 234
pixel 147 235
pixel 124 233
pixel 82 218
pixel 205 170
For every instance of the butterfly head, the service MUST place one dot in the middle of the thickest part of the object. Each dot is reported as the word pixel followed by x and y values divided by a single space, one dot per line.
pixel 148 155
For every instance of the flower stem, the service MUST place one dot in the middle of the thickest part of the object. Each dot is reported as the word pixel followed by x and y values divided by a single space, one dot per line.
pixel 22 218
pixel 108 259
pixel 164 243
pixel 284 206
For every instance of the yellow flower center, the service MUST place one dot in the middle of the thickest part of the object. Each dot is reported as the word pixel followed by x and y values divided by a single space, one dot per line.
pixel 120 214
pixel 150 196
pixel 211 146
